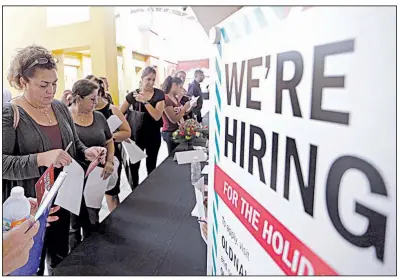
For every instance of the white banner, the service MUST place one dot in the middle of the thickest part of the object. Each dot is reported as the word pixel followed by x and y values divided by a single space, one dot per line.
pixel 303 143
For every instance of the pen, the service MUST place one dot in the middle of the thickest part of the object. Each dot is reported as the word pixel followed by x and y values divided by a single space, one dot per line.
pixel 69 145
pixel 202 221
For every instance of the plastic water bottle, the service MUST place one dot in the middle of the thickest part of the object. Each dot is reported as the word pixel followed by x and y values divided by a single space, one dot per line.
pixel 16 209
pixel 195 171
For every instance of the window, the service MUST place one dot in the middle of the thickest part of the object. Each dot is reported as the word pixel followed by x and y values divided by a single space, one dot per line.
pixel 71 76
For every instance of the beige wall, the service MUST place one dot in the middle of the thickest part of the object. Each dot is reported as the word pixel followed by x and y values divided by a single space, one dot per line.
pixel 28 25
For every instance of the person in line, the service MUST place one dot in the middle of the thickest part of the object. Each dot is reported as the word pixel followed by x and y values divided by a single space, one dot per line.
pixel 195 90
pixel 182 95
pixel 93 130
pixel 6 96
pixel 106 88
pixel 171 116
pixel 150 101
pixel 35 136
pixel 121 134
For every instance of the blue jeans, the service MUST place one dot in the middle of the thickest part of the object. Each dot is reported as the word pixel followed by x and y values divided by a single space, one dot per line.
pixel 168 138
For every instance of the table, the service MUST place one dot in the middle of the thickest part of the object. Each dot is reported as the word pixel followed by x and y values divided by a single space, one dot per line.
pixel 151 233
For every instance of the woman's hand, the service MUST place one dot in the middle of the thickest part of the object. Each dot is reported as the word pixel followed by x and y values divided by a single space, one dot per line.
pixel 66 97
pixel 140 97
pixel 94 152
pixel 58 157
pixel 108 169
pixel 34 206
pixel 50 218
pixel 17 244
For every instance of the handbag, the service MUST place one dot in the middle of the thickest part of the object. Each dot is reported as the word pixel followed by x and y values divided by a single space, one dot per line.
pixel 135 120
pixel 9 184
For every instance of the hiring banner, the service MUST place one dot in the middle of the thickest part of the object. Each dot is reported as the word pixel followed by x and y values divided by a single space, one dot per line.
pixel 303 149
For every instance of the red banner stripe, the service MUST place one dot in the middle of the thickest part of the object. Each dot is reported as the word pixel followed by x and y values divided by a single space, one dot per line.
pixel 287 251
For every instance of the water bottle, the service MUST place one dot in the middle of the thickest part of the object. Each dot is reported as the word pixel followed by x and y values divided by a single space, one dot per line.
pixel 195 171
pixel 16 209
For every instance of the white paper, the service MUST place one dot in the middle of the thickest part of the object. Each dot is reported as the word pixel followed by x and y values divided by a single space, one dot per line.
pixel 205 170
pixel 95 188
pixel 114 122
pixel 194 213
pixel 188 156
pixel 200 185
pixel 200 203
pixel 49 195
pixel 134 152
pixel 70 194
pixel 193 101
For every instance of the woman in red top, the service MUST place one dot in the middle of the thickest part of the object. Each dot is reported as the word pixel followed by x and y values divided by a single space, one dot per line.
pixel 173 112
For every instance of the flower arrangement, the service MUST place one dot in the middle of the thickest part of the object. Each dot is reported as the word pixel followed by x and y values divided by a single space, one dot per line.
pixel 189 130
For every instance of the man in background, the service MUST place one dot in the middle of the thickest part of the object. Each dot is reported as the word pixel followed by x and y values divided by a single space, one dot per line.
pixel 6 96
pixel 194 89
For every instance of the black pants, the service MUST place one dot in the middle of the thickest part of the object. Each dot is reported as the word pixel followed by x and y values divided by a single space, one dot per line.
pixel 198 116
pixel 87 221
pixel 168 138
pixel 150 143
pixel 56 244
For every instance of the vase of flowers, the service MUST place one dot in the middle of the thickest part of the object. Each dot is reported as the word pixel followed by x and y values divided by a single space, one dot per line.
pixel 190 131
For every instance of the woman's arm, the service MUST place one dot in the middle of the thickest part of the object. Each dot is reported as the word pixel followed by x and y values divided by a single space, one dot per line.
pixel 156 113
pixel 124 107
pixel 15 167
pixel 124 130
pixel 126 104
pixel 110 150
pixel 172 116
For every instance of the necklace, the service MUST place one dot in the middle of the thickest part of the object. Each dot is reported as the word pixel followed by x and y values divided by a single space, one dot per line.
pixel 43 110
pixel 82 116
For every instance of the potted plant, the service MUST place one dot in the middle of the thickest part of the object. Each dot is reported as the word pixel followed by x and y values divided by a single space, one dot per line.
pixel 190 131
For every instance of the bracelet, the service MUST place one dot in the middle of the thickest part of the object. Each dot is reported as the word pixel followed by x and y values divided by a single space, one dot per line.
pixel 146 102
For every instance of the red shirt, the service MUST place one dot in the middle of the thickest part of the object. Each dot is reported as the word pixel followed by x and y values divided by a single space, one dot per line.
pixel 168 126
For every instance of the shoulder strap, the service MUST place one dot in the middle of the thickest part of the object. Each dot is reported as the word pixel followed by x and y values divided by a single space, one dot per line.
pixel 16 115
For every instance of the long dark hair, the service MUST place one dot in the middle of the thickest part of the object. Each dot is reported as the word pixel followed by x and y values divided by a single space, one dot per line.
pixel 101 88
pixel 167 85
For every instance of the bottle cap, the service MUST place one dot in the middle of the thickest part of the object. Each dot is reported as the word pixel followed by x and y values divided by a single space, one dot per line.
pixel 18 191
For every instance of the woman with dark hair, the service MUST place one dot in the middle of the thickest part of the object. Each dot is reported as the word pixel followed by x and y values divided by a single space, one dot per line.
pixel 36 130
pixel 106 89
pixel 93 130
pixel 150 101
pixel 105 107
pixel 173 112
pixel 182 95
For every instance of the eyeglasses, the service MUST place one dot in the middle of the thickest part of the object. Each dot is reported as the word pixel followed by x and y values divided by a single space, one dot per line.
pixel 93 99
pixel 42 61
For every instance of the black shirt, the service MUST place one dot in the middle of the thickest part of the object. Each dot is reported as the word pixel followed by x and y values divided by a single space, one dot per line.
pixel 194 89
pixel 150 125
pixel 96 134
